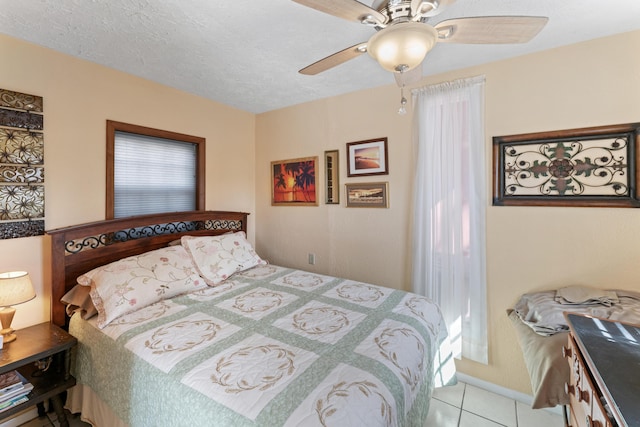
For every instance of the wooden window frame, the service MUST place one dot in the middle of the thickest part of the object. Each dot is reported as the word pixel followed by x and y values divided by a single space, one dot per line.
pixel 114 126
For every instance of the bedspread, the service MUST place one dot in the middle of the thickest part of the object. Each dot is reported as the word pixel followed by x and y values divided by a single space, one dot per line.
pixel 270 346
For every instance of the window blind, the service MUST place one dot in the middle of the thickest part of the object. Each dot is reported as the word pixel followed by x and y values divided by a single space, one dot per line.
pixel 153 175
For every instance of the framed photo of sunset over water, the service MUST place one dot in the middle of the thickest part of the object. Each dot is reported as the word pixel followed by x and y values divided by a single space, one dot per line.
pixel 368 157
pixel 293 182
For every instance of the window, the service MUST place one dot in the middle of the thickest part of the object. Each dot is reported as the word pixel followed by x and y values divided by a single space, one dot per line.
pixel 152 171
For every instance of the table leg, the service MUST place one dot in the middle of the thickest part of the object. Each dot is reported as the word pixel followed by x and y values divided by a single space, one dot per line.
pixel 56 401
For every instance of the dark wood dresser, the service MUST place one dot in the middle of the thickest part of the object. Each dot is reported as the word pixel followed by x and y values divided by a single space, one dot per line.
pixel 604 385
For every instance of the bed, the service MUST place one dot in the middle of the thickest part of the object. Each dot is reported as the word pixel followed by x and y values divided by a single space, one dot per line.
pixel 230 339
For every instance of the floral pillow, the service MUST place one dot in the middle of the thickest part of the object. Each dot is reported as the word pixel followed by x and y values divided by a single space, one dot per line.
pixel 218 257
pixel 138 281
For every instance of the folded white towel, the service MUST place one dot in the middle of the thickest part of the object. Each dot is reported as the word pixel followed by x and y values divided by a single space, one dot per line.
pixel 585 295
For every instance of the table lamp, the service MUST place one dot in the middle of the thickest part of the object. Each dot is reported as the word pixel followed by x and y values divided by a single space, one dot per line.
pixel 15 288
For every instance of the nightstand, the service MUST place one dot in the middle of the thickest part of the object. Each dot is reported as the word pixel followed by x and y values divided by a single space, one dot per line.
pixel 48 343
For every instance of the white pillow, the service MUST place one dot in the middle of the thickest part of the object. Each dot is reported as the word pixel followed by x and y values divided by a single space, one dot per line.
pixel 135 282
pixel 218 257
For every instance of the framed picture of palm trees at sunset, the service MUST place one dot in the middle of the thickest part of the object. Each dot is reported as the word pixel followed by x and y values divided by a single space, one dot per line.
pixel 367 157
pixel 293 182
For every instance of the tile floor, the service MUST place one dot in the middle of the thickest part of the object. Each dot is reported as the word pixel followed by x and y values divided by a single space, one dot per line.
pixel 462 405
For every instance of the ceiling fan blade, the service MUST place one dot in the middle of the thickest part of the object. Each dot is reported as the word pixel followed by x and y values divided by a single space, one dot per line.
pixel 490 29
pixel 334 60
pixel 351 10
pixel 410 77
pixel 426 8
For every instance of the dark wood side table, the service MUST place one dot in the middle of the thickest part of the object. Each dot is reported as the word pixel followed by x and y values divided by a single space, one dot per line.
pixel 52 346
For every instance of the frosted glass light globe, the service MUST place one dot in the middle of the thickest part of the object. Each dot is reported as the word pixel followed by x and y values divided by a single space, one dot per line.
pixel 402 46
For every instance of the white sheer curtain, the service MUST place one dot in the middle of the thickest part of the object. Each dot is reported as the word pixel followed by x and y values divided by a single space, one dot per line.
pixel 449 209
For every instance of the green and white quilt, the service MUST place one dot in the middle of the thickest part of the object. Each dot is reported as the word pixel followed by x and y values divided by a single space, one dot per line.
pixel 270 346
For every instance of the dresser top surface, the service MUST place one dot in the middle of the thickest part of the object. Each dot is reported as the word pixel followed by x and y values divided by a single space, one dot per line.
pixel 612 351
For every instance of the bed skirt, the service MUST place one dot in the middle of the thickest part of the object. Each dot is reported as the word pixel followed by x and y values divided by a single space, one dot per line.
pixel 81 399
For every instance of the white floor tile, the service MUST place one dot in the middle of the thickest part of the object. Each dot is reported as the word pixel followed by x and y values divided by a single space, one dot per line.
pixel 442 414
pixel 451 394
pixel 489 405
pixel 528 417
pixel 467 419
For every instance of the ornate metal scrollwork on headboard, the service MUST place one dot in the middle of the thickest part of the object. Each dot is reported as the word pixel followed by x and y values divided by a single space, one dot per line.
pixel 93 242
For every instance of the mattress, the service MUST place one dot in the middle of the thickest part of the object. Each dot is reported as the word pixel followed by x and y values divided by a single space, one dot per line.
pixel 270 346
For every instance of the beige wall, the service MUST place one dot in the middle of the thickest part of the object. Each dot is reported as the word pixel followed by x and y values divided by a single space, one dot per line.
pixel 367 244
pixel 79 97
pixel 528 248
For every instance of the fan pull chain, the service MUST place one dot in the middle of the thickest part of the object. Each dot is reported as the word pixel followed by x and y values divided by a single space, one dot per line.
pixel 403 101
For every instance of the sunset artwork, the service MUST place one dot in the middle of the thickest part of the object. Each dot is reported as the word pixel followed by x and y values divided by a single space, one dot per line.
pixel 367 157
pixel 368 195
pixel 294 182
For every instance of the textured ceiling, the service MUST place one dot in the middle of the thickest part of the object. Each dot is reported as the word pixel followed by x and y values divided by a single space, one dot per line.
pixel 246 53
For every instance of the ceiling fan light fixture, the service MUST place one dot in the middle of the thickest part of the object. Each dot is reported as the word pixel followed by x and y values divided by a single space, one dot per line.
pixel 402 46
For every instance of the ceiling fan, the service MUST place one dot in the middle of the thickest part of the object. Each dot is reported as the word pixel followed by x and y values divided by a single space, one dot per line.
pixel 404 37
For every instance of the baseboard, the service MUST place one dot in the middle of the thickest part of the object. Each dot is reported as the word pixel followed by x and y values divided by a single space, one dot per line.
pixel 503 391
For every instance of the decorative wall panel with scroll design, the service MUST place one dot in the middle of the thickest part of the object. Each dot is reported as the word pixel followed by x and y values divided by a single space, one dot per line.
pixel 21 165
pixel 594 166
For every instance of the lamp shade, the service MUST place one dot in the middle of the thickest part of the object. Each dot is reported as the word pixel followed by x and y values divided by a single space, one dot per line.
pixel 15 288
pixel 403 46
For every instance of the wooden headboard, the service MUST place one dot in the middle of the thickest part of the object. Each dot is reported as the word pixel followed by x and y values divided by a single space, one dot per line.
pixel 78 249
